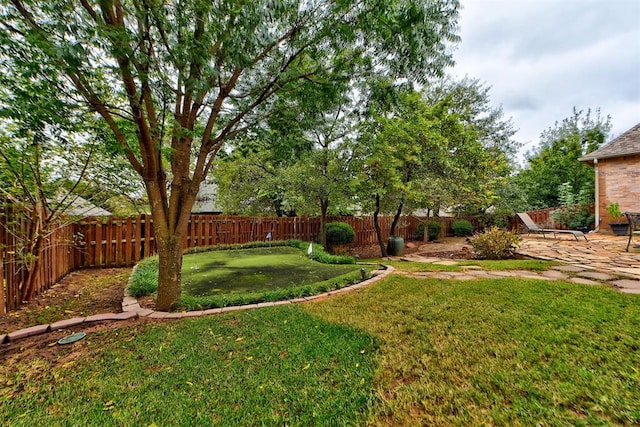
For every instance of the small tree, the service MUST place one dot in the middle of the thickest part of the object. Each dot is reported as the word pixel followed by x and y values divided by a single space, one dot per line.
pixel 576 209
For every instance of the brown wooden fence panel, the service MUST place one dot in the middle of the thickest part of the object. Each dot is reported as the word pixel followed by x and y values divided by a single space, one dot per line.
pixel 55 258
pixel 118 242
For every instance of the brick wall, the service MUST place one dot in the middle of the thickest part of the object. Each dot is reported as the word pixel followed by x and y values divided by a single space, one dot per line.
pixel 619 181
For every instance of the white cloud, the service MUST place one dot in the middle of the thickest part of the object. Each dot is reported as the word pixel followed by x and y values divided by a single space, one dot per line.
pixel 542 58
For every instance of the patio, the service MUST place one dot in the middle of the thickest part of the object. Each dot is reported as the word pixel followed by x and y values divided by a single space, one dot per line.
pixel 604 253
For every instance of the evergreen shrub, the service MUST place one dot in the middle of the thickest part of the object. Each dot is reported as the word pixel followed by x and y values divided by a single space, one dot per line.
pixel 433 230
pixel 462 228
pixel 339 233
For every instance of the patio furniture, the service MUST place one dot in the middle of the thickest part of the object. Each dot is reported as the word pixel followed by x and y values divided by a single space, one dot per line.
pixel 532 227
pixel 634 226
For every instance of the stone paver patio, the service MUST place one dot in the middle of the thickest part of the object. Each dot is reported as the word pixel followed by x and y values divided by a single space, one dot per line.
pixel 601 253
pixel 601 260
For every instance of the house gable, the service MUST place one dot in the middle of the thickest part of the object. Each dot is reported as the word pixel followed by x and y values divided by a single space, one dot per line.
pixel 617 167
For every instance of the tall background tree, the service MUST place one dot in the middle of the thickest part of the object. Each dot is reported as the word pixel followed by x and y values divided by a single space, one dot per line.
pixel 555 161
pixel 415 155
pixel 174 80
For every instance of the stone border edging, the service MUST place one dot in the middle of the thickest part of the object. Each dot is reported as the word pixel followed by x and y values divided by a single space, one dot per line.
pixel 132 310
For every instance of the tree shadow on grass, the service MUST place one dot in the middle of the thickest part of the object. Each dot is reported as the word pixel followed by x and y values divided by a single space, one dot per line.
pixel 247 271
pixel 257 279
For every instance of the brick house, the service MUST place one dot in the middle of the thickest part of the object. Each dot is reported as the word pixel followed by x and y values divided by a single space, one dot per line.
pixel 617 166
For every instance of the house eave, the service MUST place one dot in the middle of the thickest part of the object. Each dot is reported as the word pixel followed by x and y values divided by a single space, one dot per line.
pixel 592 159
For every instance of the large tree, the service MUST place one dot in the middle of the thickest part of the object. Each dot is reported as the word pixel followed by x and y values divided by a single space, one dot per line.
pixel 470 100
pixel 174 80
pixel 556 159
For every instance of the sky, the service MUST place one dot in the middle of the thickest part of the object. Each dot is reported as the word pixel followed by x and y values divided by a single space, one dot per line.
pixel 542 58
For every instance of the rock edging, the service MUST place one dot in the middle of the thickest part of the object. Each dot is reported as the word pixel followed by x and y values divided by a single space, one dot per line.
pixel 131 310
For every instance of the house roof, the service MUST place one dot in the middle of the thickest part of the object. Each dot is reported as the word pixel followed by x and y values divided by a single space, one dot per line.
pixel 84 208
pixel 625 145
pixel 207 199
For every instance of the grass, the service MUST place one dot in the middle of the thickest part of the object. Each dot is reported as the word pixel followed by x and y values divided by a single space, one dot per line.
pixel 253 270
pixel 404 351
pixel 265 367
pixel 498 352
pixel 493 265
pixel 249 274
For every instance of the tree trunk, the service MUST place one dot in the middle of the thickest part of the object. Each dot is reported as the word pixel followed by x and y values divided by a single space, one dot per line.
pixel 33 240
pixel 170 271
pixel 376 224
pixel 33 270
pixel 394 224
pixel 324 207
pixel 396 219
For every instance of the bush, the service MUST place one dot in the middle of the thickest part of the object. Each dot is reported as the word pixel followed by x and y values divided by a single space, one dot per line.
pixel 488 220
pixel 339 233
pixel 495 244
pixel 144 280
pixel 433 230
pixel 462 228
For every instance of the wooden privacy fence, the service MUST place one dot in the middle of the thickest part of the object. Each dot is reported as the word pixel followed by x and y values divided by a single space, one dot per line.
pixel 56 259
pixel 120 242
pixel 123 241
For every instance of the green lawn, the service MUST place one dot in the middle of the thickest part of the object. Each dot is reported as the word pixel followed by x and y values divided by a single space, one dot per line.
pixel 492 265
pixel 404 351
pixel 253 270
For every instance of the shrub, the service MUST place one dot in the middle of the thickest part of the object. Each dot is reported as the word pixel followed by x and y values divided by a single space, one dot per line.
pixel 339 233
pixel 495 244
pixel 576 209
pixel 488 220
pixel 144 280
pixel 433 230
pixel 462 228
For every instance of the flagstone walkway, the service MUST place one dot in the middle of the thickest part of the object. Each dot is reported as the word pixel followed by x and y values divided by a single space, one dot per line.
pixel 601 260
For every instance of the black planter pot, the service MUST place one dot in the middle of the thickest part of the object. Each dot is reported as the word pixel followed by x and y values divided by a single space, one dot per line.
pixel 619 228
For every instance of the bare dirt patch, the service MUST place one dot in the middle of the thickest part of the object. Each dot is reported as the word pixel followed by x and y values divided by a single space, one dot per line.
pixel 449 247
pixel 80 294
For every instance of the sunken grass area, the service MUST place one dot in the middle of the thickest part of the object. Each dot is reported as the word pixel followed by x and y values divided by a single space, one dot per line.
pixel 249 274
pixel 253 270
pixel 403 351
